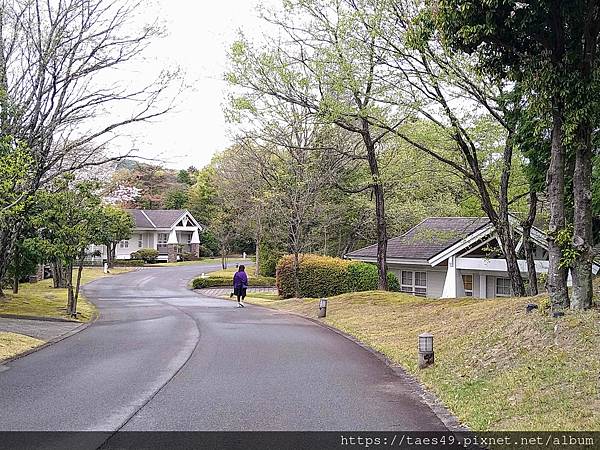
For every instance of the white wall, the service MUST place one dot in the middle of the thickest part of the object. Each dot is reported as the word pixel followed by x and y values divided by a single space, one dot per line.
pixel 435 277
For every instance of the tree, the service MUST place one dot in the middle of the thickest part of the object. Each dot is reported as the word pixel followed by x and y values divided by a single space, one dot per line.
pixel 56 94
pixel 551 48
pixel 329 64
pixel 70 219
pixel 116 225
pixel 16 165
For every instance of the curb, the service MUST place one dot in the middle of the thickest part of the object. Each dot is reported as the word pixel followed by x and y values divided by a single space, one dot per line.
pixel 449 420
pixel 40 318
pixel 80 328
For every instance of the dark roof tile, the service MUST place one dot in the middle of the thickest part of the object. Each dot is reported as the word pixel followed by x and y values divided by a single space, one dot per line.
pixel 426 239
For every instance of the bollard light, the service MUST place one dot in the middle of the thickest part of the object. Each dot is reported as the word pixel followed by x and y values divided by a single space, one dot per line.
pixel 322 307
pixel 426 354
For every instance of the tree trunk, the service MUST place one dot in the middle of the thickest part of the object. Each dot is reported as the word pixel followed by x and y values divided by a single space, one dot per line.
pixel 15 288
pixel 70 294
pixel 379 209
pixel 296 274
pixel 59 274
pixel 582 222
pixel 529 246
pixel 78 284
pixel 555 182
pixel 257 251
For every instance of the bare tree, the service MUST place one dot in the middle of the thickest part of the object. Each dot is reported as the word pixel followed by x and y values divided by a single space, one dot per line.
pixel 58 87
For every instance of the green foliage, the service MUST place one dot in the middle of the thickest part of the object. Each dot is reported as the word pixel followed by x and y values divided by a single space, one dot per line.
pixel 129 262
pixel 116 225
pixel 176 199
pixel 148 255
pixel 15 165
pixel 564 239
pixel 268 257
pixel 199 283
pixel 324 276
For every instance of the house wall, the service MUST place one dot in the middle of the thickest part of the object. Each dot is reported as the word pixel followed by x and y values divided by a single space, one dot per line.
pixel 435 277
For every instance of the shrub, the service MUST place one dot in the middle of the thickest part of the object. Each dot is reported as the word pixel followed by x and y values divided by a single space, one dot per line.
pixel 220 281
pixel 148 255
pixel 268 257
pixel 324 276
pixel 205 252
pixel 129 262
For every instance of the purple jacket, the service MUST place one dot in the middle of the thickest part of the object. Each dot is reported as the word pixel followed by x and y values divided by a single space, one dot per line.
pixel 240 280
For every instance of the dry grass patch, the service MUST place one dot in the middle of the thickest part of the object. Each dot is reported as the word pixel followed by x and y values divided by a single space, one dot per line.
pixel 11 344
pixel 497 368
pixel 42 300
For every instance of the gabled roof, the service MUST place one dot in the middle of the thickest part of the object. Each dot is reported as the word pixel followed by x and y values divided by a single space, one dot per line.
pixel 157 218
pixel 427 239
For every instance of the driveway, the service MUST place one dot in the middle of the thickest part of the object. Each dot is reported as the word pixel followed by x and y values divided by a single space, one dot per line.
pixel 162 357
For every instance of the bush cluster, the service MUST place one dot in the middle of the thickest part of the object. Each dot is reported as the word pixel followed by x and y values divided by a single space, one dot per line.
pixel 148 255
pixel 324 276
pixel 220 281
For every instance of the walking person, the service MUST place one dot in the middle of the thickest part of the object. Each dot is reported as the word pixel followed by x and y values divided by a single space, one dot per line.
pixel 240 284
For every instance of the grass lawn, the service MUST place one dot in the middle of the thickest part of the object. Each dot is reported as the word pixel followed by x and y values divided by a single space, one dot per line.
pixel 41 299
pixel 497 368
pixel 231 270
pixel 185 263
pixel 12 344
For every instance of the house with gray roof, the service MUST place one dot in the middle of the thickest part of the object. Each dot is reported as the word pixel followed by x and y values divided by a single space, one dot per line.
pixel 172 232
pixel 452 257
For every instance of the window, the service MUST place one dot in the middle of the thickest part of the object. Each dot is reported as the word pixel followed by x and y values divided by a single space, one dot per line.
pixel 163 239
pixel 502 287
pixel 124 244
pixel 468 285
pixel 140 241
pixel 419 287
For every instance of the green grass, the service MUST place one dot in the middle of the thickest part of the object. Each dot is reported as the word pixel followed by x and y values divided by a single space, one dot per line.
pixel 497 368
pixel 11 344
pixel 42 300
pixel 185 263
pixel 231 270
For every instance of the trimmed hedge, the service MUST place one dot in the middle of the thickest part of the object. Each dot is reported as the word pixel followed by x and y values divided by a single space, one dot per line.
pixel 324 276
pixel 129 262
pixel 199 282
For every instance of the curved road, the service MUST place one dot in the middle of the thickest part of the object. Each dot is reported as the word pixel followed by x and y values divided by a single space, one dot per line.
pixel 160 357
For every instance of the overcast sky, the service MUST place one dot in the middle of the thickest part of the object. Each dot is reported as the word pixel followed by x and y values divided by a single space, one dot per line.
pixel 199 33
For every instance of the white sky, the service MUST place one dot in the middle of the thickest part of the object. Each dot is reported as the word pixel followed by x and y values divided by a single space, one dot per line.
pixel 199 34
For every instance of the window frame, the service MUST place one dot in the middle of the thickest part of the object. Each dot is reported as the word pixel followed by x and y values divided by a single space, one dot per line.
pixel 507 280
pixel 420 290
pixel 468 292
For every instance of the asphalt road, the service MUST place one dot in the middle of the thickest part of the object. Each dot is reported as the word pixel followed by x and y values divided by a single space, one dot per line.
pixel 160 357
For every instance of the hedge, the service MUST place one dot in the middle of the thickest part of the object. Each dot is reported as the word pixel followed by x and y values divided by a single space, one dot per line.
pixel 324 276
pixel 129 262
pixel 209 281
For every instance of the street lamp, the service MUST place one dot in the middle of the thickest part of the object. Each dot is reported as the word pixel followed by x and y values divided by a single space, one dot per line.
pixel 322 307
pixel 426 355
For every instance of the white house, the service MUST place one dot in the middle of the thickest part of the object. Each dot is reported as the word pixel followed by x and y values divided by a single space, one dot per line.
pixel 451 257
pixel 171 232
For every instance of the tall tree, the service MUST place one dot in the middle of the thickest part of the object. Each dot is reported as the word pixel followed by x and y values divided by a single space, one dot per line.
pixel 56 94
pixel 327 63
pixel 552 49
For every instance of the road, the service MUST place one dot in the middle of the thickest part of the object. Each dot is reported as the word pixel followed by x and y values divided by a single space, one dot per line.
pixel 160 357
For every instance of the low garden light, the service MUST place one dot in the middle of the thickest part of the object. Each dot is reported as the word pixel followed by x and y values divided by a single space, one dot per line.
pixel 426 355
pixel 322 307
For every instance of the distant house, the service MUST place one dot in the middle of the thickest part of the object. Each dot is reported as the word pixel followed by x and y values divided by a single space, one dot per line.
pixel 451 257
pixel 171 232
